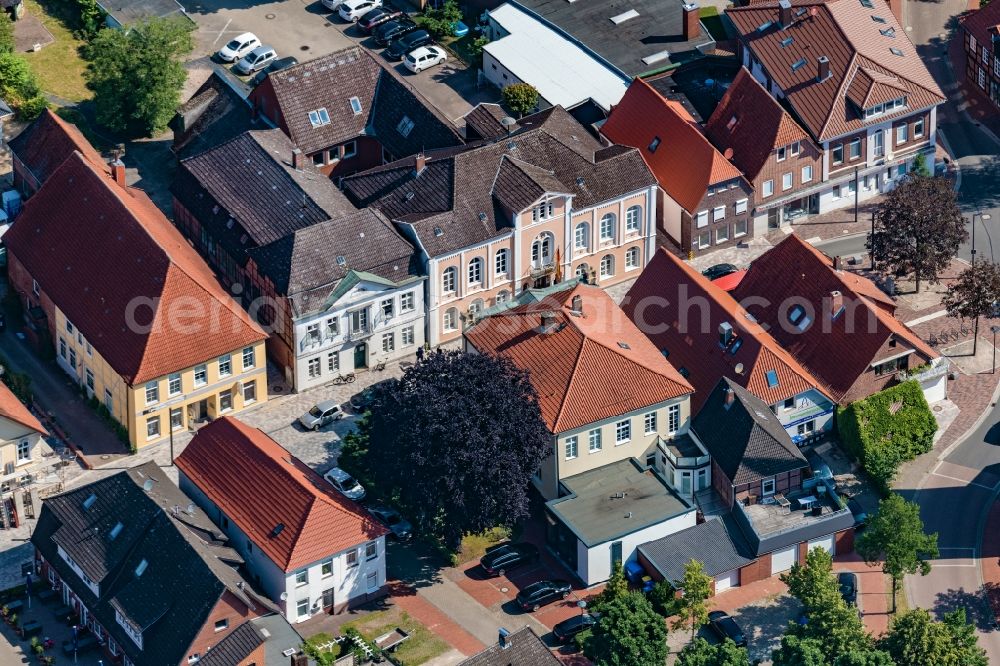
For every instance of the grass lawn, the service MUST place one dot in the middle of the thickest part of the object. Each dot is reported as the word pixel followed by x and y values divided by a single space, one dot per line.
pixel 58 65
pixel 475 546
pixel 420 647
pixel 713 22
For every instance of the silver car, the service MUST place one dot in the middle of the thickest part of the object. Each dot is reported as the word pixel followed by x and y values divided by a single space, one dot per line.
pixel 345 484
pixel 256 60
pixel 323 413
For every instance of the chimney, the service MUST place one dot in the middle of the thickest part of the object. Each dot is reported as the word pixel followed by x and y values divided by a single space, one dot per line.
pixel 692 24
pixel 785 13
pixel 298 159
pixel 299 659
pixel 548 323
pixel 725 334
pixel 419 162
pixel 504 639
pixel 838 263
pixel 576 305
pixel 730 397
pixel 836 302
pixel 118 172
pixel 822 69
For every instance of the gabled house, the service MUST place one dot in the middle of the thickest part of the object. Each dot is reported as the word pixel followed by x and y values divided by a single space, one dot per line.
pixel 310 549
pixel 147 573
pixel 981 30
pixel 545 203
pixel 348 111
pixel 43 146
pixel 837 324
pixel 707 335
pixel 519 648
pixel 133 314
pixel 776 155
pixel 22 451
pixel 618 414
pixel 850 77
pixel 703 200
pixel 217 112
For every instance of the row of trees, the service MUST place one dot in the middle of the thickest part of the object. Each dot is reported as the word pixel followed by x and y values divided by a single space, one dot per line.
pixel 18 84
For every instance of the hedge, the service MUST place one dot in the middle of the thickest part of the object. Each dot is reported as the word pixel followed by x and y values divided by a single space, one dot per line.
pixel 886 429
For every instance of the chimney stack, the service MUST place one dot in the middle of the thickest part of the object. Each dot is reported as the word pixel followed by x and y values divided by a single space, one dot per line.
pixel 548 322
pixel 420 161
pixel 822 69
pixel 504 639
pixel 730 397
pixel 836 302
pixel 118 172
pixel 785 13
pixel 299 659
pixel 692 23
pixel 298 159
pixel 576 305
pixel 838 263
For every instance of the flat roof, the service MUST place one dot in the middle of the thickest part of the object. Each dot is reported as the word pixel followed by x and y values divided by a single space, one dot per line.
pixel 615 500
pixel 650 39
pixel 564 73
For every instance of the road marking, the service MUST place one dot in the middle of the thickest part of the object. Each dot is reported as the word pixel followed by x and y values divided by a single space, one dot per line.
pixel 938 565
pixel 931 316
pixel 222 32
pixel 957 548
pixel 963 481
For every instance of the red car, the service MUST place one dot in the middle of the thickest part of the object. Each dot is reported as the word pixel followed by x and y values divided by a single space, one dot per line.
pixel 377 17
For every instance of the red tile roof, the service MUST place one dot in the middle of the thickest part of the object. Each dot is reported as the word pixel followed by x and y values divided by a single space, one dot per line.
pixel 590 367
pixel 13 409
pixel 751 124
pixel 984 25
pixel 681 312
pixel 101 251
pixel 259 485
pixel 839 350
pixel 684 162
pixel 845 32
pixel 729 282
pixel 48 141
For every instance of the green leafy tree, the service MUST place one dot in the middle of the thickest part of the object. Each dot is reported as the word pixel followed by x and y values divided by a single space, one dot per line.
pixel 974 294
pixel 916 639
pixel 895 537
pixel 920 166
pixel 864 657
pixel 521 98
pixel 91 18
pixel 615 588
pixel 137 75
pixel 629 633
pixel 19 86
pixel 477 46
pixel 440 21
pixel 798 651
pixel 918 228
pixel 832 624
pixel 700 652
pixel 6 33
pixel 663 596
pixel 692 606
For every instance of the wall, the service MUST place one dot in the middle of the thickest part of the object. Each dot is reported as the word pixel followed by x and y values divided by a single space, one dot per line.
pixel 773 170
pixel 725 195
pixel 809 405
pixel 228 607
pixel 594 564
pixel 669 215
pixel 868 383
pixel 974 62
pixel 11 433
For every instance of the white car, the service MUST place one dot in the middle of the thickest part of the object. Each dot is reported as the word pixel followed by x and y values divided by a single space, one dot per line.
pixel 332 5
pixel 345 484
pixel 256 60
pixel 238 47
pixel 352 10
pixel 424 57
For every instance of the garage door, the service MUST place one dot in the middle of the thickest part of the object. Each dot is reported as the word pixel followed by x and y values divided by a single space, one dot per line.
pixel 936 389
pixel 727 580
pixel 826 543
pixel 782 560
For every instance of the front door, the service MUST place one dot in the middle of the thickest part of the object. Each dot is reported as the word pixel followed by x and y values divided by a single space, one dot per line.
pixel 616 553
pixel 774 218
pixel 328 598
pixel 361 355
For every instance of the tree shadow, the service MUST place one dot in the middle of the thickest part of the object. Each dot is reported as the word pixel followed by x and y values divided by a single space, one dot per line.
pixel 975 604
pixel 766 624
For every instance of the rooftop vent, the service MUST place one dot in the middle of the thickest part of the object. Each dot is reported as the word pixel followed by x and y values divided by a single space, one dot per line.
pixel 624 16
pixel 725 333
pixel 798 64
pixel 409 195
pixel 576 305
pixel 580 182
pixel 654 58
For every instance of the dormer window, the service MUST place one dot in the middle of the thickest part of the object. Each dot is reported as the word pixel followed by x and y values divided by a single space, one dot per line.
pixel 542 211
pixel 886 107
pixel 405 126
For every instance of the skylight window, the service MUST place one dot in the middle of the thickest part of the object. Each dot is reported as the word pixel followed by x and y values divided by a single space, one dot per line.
pixel 341 261
pixel 867 4
pixel 356 105
pixel 141 568
pixel 624 345
pixel 896 52
pixel 798 64
pixel 319 117
pixel 772 378
pixel 764 26
pixel 735 346
pixel 89 502
pixel 888 32
pixel 624 16
pixel 654 144
pixel 115 531
pixel 405 126
pixel 787 41
pixel 878 19
pixel 685 373
pixel 732 122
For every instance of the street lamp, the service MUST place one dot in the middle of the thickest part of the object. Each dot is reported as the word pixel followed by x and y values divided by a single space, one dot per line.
pixel 995 329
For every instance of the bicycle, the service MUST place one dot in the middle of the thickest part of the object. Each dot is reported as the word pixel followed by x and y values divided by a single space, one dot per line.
pixel 379 367
pixel 349 378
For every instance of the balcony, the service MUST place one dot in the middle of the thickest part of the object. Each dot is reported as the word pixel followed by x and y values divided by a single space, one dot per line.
pixel 682 452
pixel 542 269
pixel 359 333
pixel 936 369
pixel 800 509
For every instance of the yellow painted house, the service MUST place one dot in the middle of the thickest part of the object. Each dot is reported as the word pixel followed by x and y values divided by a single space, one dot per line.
pixel 136 317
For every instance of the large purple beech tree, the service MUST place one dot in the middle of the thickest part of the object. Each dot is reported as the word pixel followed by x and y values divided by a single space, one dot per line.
pixel 456 441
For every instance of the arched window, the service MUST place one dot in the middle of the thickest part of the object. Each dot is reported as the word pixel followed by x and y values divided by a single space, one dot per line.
pixel 451 319
pixel 476 272
pixel 501 263
pixel 448 280
pixel 608 227
pixel 476 307
pixel 581 236
pixel 633 219
pixel 583 272
pixel 632 258
pixel 607 266
pixel 541 250
pixel 503 297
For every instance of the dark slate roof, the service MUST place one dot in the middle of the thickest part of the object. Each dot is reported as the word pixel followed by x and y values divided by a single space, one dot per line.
pixel 305 265
pixel 188 565
pixel 657 28
pixel 235 647
pixel 279 636
pixel 250 180
pixel 524 648
pixel 745 438
pixel 717 543
pixel 217 112
pixel 466 196
pixel 127 12
pixel 483 122
pixel 331 81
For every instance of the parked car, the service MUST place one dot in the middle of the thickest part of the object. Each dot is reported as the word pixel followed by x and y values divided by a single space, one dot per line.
pixel 719 270
pixel 275 66
pixel 352 10
pixel 459 29
pixel 399 526
pixel 543 592
pixel 321 413
pixel 332 5
pixel 361 402
pixel 411 40
pixel 377 16
pixel 238 47
pixel 393 29
pixel 508 556
pixel 567 629
pixel 256 60
pixel 345 484
pixel 848 587
pixel 725 627
pixel 424 57
pixel 857 511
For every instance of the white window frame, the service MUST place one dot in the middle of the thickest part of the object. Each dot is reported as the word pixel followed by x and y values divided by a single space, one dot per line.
pixel 649 423
pixel 741 206
pixel 501 262
pixel 607 224
pixel 252 385
pixel 787 181
pixel 407 302
pixel 249 358
pixel 571 448
pixel 475 272
pixel 151 431
pixel 633 219
pixel 607 266
pixel 623 432
pixel 902 134
pixel 594 443
pixel 23 451
pixel 152 392
pixel 767 487
pixel 172 381
pixel 718 213
pixel 673 418
pixel 807 173
pixel 581 237
pixel 631 258
pixel 449 280
pixel 781 155
pixel 203 371
pixel 407 336
pixel 721 234
pixel 918 124
pixel 450 320
pixel 701 219
pixel 225 365
pixel 736 228
pixel 767 188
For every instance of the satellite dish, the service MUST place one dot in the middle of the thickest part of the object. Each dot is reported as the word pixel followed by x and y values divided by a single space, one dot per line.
pixel 739 368
pixel 508 123
pixel 283 596
pixel 728 154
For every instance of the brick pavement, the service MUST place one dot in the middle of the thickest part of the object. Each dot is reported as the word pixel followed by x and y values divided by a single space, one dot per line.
pixel 435 619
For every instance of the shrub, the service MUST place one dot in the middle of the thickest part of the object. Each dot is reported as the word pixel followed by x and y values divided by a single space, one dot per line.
pixel 663 596
pixel 474 546
pixel 324 657
pixel 440 21
pixel 887 429
pixel 521 98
